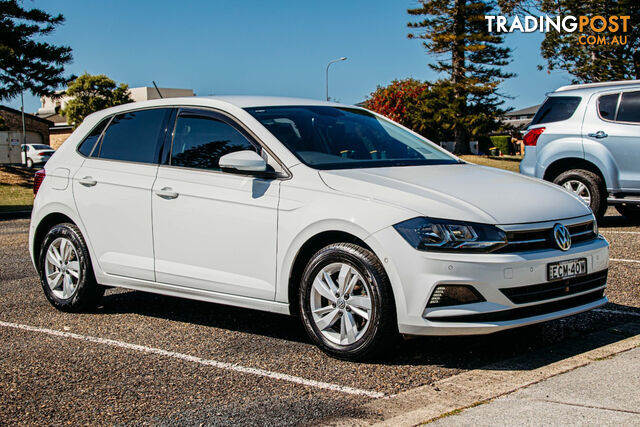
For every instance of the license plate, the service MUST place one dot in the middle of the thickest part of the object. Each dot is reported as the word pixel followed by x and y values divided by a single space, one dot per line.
pixel 567 269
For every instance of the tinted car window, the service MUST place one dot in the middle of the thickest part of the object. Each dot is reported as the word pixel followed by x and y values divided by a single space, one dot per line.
pixel 90 140
pixel 629 107
pixel 134 136
pixel 555 109
pixel 607 105
pixel 200 141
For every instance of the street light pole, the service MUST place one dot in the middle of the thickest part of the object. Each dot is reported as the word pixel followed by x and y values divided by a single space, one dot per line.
pixel 24 128
pixel 344 58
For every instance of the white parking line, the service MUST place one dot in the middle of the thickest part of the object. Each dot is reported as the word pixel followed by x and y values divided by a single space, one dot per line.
pixel 619 232
pixel 624 260
pixel 195 359
pixel 604 310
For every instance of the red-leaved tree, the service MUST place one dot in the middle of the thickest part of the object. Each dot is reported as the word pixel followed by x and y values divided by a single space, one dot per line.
pixel 398 101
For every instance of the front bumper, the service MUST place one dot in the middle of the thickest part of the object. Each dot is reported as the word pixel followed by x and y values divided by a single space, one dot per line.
pixel 415 274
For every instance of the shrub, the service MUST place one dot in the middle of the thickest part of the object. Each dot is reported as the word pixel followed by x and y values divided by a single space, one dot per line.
pixel 502 143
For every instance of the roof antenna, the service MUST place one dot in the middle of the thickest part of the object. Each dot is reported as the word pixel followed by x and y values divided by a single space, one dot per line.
pixel 157 90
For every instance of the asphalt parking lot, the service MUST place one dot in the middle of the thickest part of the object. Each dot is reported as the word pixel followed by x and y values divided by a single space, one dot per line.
pixel 143 358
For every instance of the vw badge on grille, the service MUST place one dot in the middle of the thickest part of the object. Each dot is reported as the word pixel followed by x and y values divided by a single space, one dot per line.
pixel 562 236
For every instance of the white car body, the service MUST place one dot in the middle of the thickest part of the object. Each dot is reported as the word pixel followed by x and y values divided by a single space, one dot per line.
pixel 234 239
pixel 38 153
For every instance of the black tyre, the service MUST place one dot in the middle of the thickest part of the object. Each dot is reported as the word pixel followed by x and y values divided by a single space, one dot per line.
pixel 588 186
pixel 29 163
pixel 346 302
pixel 65 270
pixel 631 212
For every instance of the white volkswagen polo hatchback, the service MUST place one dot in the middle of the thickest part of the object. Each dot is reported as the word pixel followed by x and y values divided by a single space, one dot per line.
pixel 362 227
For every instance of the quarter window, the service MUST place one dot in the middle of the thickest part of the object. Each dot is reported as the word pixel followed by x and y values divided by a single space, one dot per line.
pixel 556 108
pixel 629 107
pixel 200 141
pixel 607 105
pixel 86 146
pixel 135 136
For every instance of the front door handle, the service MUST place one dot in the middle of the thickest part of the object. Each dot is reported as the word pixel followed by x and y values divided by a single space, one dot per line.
pixel 88 181
pixel 167 193
pixel 599 135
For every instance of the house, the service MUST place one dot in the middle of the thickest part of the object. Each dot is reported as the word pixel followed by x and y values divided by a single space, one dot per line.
pixel 60 130
pixel 520 119
pixel 11 138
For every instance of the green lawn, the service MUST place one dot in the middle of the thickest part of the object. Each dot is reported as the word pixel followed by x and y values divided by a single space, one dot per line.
pixel 16 189
pixel 510 163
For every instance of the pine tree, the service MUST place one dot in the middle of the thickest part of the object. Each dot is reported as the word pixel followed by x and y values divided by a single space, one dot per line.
pixel 26 62
pixel 90 93
pixel 470 57
pixel 597 62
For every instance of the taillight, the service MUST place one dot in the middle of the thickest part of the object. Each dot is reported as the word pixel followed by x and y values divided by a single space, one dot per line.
pixel 37 181
pixel 531 137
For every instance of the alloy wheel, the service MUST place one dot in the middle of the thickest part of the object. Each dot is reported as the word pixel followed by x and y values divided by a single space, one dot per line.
pixel 578 188
pixel 62 268
pixel 341 303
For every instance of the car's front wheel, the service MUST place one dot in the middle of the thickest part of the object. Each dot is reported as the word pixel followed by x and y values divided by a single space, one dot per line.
pixel 65 270
pixel 346 302
pixel 586 185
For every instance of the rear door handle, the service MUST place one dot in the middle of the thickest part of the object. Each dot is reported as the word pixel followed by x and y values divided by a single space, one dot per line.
pixel 88 181
pixel 599 135
pixel 167 193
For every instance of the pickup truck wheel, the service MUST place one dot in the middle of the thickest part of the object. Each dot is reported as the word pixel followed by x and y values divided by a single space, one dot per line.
pixel 632 212
pixel 586 185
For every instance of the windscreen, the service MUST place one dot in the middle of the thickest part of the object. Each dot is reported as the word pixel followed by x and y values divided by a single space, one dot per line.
pixel 326 137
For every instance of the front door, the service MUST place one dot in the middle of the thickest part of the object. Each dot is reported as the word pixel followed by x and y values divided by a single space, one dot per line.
pixel 213 230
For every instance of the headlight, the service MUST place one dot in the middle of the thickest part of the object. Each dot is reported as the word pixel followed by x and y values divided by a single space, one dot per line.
pixel 429 234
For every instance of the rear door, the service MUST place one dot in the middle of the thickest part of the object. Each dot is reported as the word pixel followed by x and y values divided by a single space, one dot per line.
pixel 616 126
pixel 112 190
pixel 214 230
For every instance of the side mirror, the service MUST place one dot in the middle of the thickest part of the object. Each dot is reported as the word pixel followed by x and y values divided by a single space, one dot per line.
pixel 245 162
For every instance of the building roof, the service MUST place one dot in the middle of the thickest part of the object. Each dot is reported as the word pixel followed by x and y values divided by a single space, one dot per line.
pixel 529 111
pixel 30 116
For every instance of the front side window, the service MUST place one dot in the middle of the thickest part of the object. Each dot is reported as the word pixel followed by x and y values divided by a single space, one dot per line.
pixel 199 141
pixel 629 107
pixel 134 136
pixel 556 109
pixel 339 138
pixel 86 146
pixel 607 105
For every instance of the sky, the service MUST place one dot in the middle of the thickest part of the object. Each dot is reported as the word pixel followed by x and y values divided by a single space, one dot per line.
pixel 258 47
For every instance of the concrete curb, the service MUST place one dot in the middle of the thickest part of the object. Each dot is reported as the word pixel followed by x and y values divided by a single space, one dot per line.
pixel 427 403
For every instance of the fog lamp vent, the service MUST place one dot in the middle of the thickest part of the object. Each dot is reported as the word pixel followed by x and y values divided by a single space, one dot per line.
pixel 444 295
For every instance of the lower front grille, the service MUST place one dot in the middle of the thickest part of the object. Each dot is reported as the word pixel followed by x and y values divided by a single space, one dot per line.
pixel 524 312
pixel 555 289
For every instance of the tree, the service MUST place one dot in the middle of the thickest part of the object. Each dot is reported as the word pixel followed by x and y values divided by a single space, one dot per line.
pixel 26 62
pixel 399 101
pixel 594 62
pixel 470 58
pixel 89 94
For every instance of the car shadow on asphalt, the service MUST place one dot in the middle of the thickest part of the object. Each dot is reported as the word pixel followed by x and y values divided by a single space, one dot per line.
pixel 614 220
pixel 525 348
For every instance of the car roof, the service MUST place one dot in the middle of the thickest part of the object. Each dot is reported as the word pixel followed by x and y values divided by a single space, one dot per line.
pixel 239 101
pixel 588 88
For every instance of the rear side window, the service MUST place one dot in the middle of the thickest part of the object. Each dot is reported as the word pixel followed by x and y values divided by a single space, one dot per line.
pixel 629 107
pixel 607 105
pixel 200 141
pixel 86 146
pixel 556 108
pixel 135 136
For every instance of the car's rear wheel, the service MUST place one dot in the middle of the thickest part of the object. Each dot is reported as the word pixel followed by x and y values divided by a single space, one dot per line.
pixel 631 212
pixel 346 302
pixel 65 270
pixel 586 185
pixel 29 163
